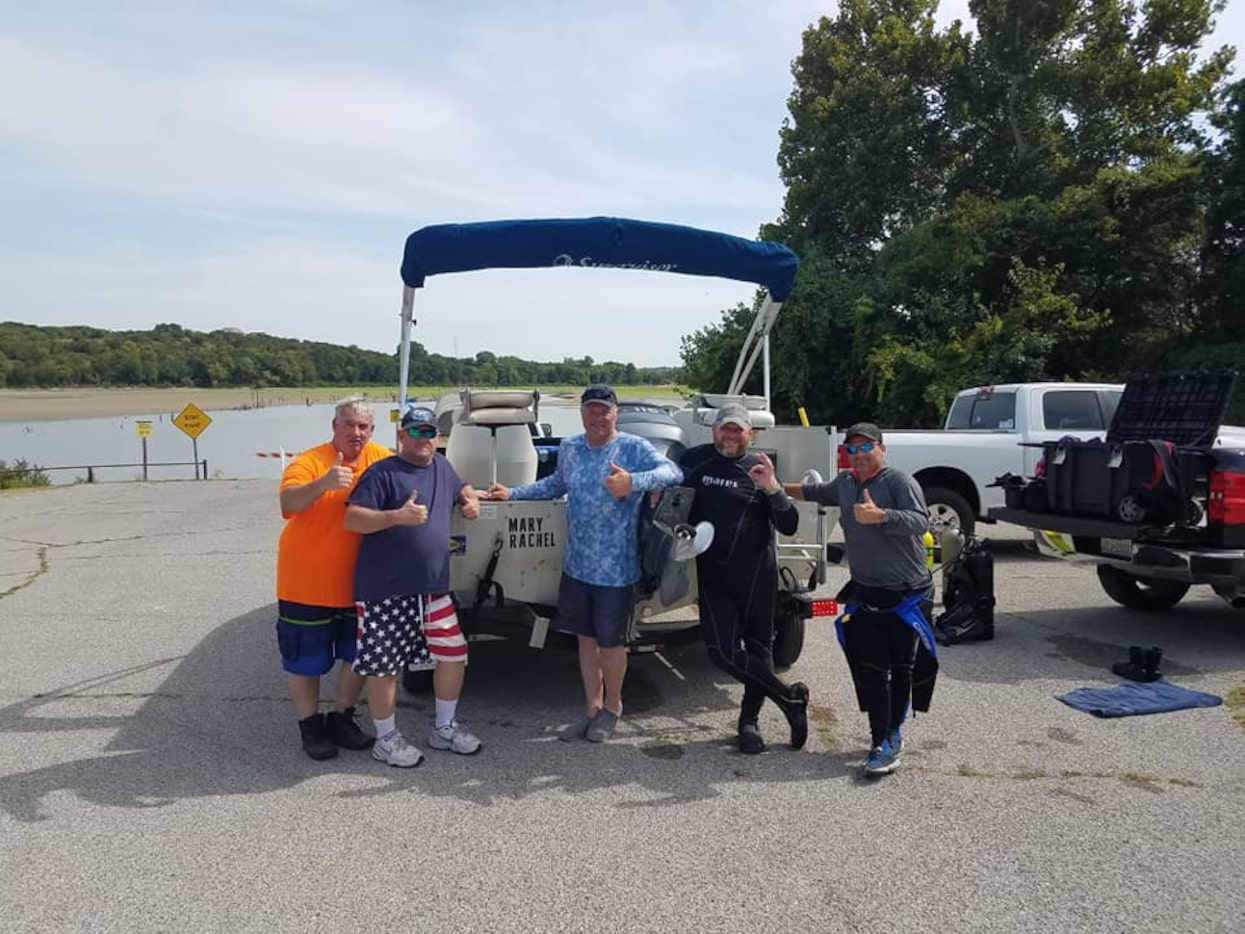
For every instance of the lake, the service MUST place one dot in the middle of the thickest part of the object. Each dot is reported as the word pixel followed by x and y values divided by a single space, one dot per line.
pixel 239 443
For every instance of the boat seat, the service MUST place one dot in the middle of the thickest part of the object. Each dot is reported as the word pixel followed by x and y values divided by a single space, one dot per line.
pixel 495 408
pixel 706 408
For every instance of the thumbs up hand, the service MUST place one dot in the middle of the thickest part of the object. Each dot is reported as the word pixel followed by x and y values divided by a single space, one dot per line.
pixel 411 512
pixel 868 512
pixel 618 482
pixel 339 476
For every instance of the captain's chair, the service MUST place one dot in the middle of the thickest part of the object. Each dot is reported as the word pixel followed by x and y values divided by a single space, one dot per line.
pixel 492 439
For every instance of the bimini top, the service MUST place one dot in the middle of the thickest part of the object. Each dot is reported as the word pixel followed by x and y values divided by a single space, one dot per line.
pixel 597 242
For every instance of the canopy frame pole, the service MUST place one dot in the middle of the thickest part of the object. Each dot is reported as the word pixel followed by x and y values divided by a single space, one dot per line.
pixel 404 346
pixel 745 347
pixel 754 343
pixel 765 368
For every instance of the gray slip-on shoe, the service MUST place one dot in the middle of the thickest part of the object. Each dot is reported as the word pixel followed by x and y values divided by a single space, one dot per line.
pixel 577 730
pixel 602 726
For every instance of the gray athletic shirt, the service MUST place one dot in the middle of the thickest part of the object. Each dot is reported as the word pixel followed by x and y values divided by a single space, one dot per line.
pixel 890 555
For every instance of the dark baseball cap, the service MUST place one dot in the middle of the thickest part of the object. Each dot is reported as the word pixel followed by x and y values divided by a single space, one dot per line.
pixel 599 392
pixel 864 430
pixel 416 416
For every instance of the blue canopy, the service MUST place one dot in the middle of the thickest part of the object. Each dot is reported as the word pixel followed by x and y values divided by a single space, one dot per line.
pixel 599 242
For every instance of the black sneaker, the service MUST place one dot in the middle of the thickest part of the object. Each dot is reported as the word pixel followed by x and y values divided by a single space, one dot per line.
pixel 796 709
pixel 316 740
pixel 344 730
pixel 750 742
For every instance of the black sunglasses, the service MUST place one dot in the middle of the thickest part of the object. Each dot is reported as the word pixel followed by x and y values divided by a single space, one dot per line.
pixel 426 431
pixel 864 447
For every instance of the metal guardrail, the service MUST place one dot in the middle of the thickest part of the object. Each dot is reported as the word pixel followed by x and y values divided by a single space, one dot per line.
pixel 91 468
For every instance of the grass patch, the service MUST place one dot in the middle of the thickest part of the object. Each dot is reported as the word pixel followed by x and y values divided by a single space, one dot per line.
pixel 967 771
pixel 1142 780
pixel 1235 702
pixel 42 555
pixel 21 474
pixel 824 722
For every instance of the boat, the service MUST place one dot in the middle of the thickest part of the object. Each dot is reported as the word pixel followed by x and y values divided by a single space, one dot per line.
pixel 511 556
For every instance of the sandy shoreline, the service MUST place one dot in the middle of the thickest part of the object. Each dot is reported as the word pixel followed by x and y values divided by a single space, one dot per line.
pixel 39 405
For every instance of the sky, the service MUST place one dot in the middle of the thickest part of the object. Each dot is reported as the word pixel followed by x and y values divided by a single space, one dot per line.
pixel 258 164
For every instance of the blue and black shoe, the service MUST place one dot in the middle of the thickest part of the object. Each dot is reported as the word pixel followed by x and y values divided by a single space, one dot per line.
pixel 896 743
pixel 882 760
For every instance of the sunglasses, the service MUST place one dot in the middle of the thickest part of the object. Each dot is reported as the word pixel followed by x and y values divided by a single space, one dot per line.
pixel 422 432
pixel 862 448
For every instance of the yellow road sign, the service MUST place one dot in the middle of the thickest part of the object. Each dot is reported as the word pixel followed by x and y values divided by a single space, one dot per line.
pixel 393 416
pixel 192 420
pixel 142 429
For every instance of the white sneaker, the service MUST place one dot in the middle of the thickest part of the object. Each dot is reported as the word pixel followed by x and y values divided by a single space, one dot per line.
pixel 454 738
pixel 395 750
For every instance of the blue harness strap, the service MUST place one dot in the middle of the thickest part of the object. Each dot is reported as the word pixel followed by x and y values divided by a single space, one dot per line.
pixel 908 610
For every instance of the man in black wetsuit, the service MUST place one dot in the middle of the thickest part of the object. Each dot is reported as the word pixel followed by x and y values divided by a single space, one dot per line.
pixel 737 577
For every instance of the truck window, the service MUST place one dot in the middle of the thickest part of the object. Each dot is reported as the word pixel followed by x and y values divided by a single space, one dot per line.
pixel 1072 410
pixel 1109 399
pixel 989 411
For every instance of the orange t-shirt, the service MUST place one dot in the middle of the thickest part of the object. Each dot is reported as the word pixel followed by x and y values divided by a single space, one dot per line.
pixel 316 555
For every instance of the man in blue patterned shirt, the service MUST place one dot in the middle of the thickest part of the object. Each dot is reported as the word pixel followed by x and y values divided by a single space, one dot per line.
pixel 603 474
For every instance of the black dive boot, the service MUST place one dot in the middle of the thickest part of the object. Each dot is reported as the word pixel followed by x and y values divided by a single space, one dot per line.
pixel 1153 657
pixel 316 740
pixel 1135 668
pixel 795 707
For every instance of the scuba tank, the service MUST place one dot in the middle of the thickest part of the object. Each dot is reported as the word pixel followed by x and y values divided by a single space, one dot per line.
pixel 968 593
pixel 952 546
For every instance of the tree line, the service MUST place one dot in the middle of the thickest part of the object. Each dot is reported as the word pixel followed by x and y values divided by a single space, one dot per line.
pixel 1059 194
pixel 34 356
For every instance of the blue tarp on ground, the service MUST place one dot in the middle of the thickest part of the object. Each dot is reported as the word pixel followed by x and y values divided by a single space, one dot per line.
pixel 1130 699
pixel 597 242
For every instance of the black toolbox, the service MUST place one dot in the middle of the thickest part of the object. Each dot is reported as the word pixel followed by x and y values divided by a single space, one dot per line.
pixel 1123 477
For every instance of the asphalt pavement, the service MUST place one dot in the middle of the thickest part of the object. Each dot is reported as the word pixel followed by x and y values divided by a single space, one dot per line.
pixel 151 777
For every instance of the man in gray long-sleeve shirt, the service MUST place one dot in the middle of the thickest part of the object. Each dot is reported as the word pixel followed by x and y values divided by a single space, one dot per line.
pixel 883 514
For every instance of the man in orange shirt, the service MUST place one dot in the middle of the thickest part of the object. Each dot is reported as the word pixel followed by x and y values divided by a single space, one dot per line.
pixel 316 619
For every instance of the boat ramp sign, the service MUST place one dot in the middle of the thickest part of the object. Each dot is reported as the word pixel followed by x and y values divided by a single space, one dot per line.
pixel 192 420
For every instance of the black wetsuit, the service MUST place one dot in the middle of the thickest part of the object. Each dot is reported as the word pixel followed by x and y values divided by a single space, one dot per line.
pixel 737 577
pixel 890 665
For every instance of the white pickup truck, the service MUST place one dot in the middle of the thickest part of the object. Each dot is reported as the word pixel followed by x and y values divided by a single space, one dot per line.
pixel 986 430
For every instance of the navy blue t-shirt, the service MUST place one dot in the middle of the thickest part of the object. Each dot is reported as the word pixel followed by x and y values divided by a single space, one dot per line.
pixel 406 559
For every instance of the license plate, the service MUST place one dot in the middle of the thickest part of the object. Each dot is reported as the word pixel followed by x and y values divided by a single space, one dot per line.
pixel 1117 547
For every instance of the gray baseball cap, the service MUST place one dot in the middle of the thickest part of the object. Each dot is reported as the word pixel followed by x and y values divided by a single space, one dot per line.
pixel 733 414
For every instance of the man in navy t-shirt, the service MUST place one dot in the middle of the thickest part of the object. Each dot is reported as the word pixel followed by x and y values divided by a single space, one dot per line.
pixel 402 507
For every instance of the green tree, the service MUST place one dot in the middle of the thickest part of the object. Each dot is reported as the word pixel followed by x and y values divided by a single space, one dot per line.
pixel 1029 201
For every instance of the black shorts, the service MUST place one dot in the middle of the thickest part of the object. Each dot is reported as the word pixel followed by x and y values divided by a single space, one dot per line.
pixel 601 613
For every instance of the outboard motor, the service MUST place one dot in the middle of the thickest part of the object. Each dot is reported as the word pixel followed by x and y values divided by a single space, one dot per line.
pixel 654 423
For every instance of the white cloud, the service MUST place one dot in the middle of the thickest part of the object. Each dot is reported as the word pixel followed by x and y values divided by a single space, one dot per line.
pixel 258 165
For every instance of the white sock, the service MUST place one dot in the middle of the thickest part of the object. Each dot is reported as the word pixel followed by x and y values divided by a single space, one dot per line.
pixel 445 712
pixel 385 725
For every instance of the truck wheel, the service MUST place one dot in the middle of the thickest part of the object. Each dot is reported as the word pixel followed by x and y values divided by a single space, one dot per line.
pixel 1140 593
pixel 788 640
pixel 417 682
pixel 949 510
